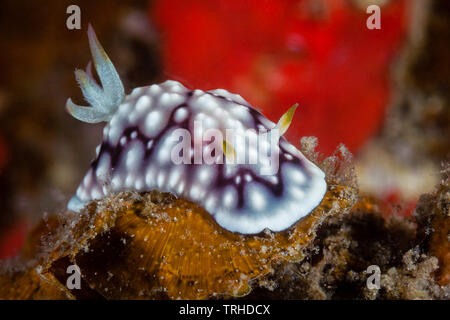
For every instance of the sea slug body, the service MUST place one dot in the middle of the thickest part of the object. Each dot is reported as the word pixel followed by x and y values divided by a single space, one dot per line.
pixel 141 150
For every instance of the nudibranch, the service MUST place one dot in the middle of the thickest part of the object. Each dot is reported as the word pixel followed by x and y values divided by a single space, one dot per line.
pixel 251 185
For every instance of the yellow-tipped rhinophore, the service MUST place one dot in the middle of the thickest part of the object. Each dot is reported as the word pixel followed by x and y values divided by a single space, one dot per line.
pixel 286 119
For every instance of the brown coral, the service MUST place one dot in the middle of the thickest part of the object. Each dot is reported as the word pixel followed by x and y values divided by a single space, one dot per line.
pixel 155 246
